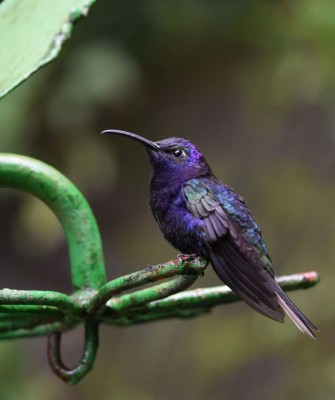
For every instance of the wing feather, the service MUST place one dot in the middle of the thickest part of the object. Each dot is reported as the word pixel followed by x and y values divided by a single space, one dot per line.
pixel 194 210
pixel 234 259
pixel 202 210
pixel 240 260
pixel 210 231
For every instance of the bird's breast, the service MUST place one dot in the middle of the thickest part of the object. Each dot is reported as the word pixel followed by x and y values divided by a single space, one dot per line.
pixel 178 225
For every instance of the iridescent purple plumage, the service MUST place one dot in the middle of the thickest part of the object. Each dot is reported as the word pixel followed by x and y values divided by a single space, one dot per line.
pixel 199 214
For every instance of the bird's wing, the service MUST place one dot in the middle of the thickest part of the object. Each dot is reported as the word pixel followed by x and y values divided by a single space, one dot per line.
pixel 234 258
pixel 237 251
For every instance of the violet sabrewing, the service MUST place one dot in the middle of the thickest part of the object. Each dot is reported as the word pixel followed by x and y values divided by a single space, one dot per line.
pixel 199 214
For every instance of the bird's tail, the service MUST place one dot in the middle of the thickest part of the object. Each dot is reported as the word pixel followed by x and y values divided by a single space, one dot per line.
pixel 299 319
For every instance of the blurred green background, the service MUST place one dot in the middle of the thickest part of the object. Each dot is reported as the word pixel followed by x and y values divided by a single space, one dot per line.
pixel 252 83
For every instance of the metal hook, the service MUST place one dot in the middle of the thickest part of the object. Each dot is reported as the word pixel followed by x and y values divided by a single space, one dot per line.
pixel 75 374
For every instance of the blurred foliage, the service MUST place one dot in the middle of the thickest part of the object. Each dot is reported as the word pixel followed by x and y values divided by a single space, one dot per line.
pixel 251 83
pixel 33 36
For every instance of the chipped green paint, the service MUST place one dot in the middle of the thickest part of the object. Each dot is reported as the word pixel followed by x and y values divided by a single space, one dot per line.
pixel 94 300
pixel 32 35
pixel 144 296
pixel 39 297
pixel 190 268
pixel 193 302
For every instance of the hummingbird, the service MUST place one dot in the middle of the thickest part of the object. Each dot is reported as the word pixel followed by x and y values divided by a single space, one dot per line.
pixel 200 215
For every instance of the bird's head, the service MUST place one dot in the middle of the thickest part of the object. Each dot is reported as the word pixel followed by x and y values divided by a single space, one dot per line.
pixel 172 155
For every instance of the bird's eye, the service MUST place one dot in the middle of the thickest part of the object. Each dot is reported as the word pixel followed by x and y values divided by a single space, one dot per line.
pixel 179 153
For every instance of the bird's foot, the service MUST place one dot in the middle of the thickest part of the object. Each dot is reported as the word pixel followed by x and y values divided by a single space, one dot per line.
pixel 187 257
pixel 194 263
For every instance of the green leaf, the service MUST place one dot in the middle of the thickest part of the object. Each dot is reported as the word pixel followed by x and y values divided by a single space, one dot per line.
pixel 32 34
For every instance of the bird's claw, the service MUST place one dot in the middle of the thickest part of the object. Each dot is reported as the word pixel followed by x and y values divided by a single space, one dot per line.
pixel 195 267
pixel 187 257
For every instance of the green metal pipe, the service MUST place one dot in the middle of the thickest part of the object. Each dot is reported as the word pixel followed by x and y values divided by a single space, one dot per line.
pixel 132 318
pixel 192 302
pixel 180 266
pixel 18 310
pixel 39 330
pixel 209 297
pixel 71 209
pixel 73 375
pixel 39 297
pixel 26 322
pixel 156 292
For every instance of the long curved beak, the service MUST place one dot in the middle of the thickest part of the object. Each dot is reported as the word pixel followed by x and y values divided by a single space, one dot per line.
pixel 146 142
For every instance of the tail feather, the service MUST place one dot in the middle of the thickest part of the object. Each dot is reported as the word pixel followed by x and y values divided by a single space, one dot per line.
pixel 254 286
pixel 239 266
pixel 298 318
